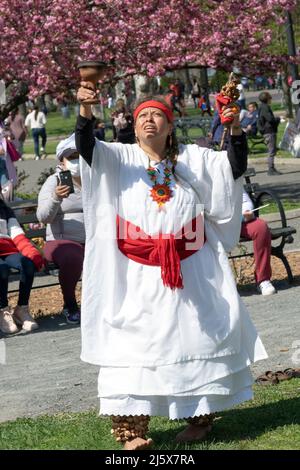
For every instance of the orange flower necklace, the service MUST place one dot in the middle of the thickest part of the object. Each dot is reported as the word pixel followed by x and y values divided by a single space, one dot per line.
pixel 160 193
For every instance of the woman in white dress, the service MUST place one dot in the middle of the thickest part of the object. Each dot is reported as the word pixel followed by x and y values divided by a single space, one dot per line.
pixel 161 315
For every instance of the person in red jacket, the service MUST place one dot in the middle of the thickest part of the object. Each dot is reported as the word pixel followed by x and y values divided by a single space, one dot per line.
pixel 16 251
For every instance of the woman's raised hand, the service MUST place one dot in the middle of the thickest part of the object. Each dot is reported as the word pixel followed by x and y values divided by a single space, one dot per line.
pixel 86 97
pixel 86 94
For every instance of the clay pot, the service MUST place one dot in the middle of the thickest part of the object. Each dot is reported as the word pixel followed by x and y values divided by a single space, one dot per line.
pixel 91 71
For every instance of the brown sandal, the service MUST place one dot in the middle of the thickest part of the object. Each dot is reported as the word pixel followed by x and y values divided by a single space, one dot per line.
pixel 268 378
pixel 292 373
pixel 282 375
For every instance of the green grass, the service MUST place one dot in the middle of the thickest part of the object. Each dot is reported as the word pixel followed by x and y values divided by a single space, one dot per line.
pixel 277 107
pixel 50 146
pixel 57 127
pixel 270 421
pixel 260 151
pixel 287 205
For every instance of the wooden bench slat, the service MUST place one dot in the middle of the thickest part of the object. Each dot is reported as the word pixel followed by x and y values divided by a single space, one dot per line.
pixel 23 204
pixel 278 232
pixel 250 172
pixel 251 187
pixel 27 219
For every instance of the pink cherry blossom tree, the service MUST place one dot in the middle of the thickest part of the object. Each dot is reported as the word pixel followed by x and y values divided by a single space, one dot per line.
pixel 42 41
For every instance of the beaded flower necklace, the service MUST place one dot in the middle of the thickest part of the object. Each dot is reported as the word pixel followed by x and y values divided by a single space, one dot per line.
pixel 160 193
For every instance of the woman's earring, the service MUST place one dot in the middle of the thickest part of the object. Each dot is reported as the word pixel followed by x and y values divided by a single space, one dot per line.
pixel 170 140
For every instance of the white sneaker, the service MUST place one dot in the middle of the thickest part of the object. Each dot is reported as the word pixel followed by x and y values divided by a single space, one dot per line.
pixel 7 324
pixel 36 157
pixel 266 288
pixel 22 317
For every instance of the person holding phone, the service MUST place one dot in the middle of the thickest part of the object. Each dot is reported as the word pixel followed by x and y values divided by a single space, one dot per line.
pixel 60 207
pixel 256 229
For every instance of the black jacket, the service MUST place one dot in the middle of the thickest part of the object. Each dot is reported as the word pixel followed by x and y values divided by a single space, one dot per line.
pixel 267 123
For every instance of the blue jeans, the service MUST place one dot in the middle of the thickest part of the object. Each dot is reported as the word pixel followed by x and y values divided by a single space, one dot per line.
pixel 36 134
pixel 26 268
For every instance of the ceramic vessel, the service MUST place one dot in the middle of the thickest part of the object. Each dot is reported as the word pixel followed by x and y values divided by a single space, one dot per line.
pixel 91 71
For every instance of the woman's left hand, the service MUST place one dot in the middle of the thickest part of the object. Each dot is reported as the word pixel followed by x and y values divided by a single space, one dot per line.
pixel 233 113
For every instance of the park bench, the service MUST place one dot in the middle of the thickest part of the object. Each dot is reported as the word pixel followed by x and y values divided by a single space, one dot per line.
pixel 254 140
pixel 281 233
pixel 187 132
pixel 187 128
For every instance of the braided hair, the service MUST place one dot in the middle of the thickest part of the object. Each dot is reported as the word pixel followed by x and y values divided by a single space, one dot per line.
pixel 172 149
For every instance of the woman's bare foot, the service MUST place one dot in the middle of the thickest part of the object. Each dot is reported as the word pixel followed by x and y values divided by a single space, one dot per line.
pixel 193 433
pixel 138 444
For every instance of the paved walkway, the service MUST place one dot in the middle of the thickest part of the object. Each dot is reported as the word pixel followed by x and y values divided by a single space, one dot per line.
pixel 44 375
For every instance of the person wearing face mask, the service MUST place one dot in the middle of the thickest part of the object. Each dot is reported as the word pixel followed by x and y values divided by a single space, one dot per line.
pixel 65 235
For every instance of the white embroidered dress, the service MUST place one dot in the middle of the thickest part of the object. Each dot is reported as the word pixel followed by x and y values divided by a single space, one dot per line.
pixel 163 352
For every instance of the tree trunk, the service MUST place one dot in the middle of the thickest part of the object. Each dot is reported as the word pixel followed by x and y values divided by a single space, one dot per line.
pixel 188 82
pixel 14 99
pixel 119 87
pixel 287 95
pixel 142 85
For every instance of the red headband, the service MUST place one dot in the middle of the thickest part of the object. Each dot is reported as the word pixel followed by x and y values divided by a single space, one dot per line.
pixel 154 104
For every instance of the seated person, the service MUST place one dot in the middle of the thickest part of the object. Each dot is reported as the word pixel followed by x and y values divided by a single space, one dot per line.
pixel 249 118
pixel 16 251
pixel 65 233
pixel 257 230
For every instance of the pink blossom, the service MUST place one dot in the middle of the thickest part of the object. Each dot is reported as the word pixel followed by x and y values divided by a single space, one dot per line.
pixel 43 41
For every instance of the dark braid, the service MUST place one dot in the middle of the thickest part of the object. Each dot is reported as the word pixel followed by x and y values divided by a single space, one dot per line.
pixel 172 142
pixel 172 150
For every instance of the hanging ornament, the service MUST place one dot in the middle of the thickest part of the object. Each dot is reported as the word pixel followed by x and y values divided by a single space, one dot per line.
pixel 160 193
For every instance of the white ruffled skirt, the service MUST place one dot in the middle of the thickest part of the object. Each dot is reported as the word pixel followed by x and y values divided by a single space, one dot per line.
pixel 176 391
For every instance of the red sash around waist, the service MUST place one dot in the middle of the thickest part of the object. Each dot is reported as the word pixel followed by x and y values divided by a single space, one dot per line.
pixel 165 250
